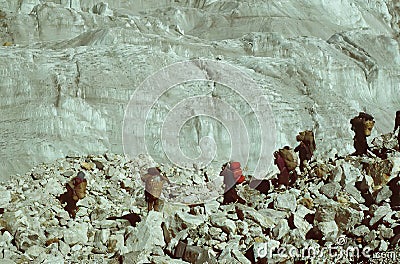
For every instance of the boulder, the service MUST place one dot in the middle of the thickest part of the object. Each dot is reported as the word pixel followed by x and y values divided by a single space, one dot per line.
pixel 329 229
pixel 77 233
pixel 285 201
pixel 380 212
pixel 330 189
pixel 147 235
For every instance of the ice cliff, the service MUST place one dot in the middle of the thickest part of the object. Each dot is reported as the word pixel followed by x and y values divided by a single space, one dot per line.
pixel 69 68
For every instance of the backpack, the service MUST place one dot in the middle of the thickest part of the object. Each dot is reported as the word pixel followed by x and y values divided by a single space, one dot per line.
pixel 233 172
pixel 362 124
pixel 307 137
pixel 357 124
pixel 288 157
pixel 368 125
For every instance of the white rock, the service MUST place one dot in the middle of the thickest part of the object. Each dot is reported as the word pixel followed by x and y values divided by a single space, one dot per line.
pixel 63 247
pixel 211 207
pixel 380 213
pixel 286 201
pixel 383 194
pixel 302 225
pixel 76 234
pixel 302 211
pixel 329 230
pixel 147 235
pixel 281 229
pixel 5 197
pixel 35 251
pixel 190 220
pixel 361 231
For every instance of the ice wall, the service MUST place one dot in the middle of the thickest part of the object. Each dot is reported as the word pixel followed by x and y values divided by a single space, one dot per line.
pixel 69 68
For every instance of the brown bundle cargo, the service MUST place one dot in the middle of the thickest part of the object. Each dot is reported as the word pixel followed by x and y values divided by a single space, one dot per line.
pixel 80 189
pixel 288 156
pixel 154 187
pixel 368 125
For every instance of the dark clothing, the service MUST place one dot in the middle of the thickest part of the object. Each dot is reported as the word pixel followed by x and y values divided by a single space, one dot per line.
pixel 231 196
pixel 360 139
pixel 151 193
pixel 230 182
pixel 304 154
pixel 397 125
pixel 285 177
pixel 360 144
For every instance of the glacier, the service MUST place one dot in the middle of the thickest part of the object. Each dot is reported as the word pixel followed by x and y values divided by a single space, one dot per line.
pixel 69 69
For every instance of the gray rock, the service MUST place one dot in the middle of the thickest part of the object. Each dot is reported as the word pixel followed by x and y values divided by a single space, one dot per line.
pixel 361 231
pixel 7 261
pixel 135 257
pixel 302 211
pixel 240 257
pixel 5 239
pixel 189 220
pixel 211 207
pixel 116 244
pixel 76 234
pixel 224 223
pixel 385 232
pixel 166 260
pixel 326 212
pixel 354 192
pixel 371 236
pixel 383 246
pixel 351 173
pixel 34 251
pixel 346 218
pixel 383 194
pixel 5 197
pixel 302 225
pixel 379 213
pixel 50 259
pixel 194 254
pixel 281 229
pixel 251 214
pixel 64 248
pixel 329 229
pixel 147 235
pixel 243 227
pixel 286 201
pixel 274 215
pixel 337 174
pixel 68 173
pixel 101 237
pixel 330 189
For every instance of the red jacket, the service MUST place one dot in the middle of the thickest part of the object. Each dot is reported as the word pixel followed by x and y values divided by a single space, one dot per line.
pixel 280 162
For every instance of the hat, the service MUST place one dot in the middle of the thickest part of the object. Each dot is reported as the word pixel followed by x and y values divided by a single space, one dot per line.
pixel 235 165
pixel 153 171
pixel 81 175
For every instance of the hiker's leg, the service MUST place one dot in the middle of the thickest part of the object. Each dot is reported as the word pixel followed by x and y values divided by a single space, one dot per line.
pixel 229 196
pixel 293 177
pixel 398 140
pixel 157 205
pixel 283 177
pixel 302 165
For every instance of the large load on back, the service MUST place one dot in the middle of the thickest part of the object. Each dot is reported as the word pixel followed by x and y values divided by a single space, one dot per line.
pixel 290 158
pixel 362 124
pixel 233 171
pixel 307 137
